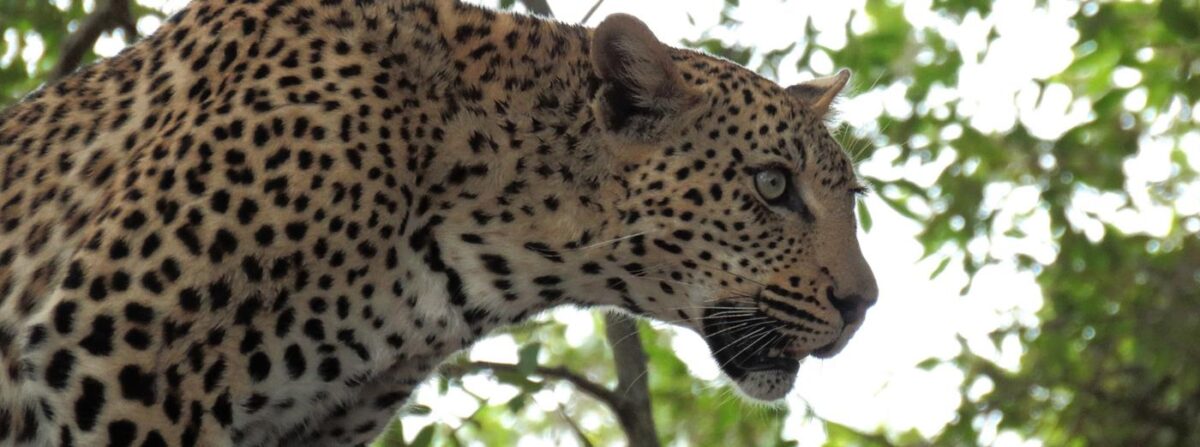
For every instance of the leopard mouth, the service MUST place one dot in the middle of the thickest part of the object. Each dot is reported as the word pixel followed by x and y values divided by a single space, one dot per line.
pixel 744 345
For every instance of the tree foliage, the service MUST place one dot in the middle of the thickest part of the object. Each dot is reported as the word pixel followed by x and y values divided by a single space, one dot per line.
pixel 1108 360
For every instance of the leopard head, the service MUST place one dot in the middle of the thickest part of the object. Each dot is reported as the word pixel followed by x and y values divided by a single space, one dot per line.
pixel 736 205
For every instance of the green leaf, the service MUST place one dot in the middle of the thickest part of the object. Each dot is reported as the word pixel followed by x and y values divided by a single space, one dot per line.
pixel 528 358
pixel 418 409
pixel 424 437
pixel 393 436
pixel 940 268
pixel 864 216
pixel 517 402
pixel 507 4
pixel 517 379
pixel 929 363
pixel 1180 18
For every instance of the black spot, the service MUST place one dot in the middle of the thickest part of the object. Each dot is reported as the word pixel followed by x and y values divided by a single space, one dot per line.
pixel 98 290
pixel 295 230
pixel 172 407
pixel 90 402
pixel 496 264
pixel 544 250
pixel 314 329
pixel 189 299
pixel 329 369
pixel 134 220
pixel 293 358
pixel 265 235
pixel 219 294
pixel 255 402
pixel 75 276
pixel 118 250
pixel 58 372
pixel 138 313
pixel 187 235
pixel 222 409
pixel 151 283
pixel 137 385
pixel 99 342
pixel 150 244
pixel 120 281
pixel 224 243
pixel 121 433
pixel 260 366
pixel 668 247
pixel 64 317
pixel 246 211
pixel 591 268
pixel 37 334
pixel 154 439
pixel 252 268
pixel 616 284
pixel 214 375
pixel 219 201
pixel 137 339
pixel 261 135
pixel 454 285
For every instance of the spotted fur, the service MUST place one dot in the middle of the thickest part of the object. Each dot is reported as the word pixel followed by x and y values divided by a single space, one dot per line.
pixel 270 220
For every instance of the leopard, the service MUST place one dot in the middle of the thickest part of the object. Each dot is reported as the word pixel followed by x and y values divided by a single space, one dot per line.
pixel 269 221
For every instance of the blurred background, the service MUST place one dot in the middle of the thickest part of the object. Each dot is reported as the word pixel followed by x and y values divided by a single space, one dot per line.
pixel 1033 227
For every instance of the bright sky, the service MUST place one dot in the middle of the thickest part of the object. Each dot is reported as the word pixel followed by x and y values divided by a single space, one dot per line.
pixel 875 381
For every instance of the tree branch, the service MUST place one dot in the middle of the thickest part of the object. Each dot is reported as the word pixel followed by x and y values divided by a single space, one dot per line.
pixel 583 439
pixel 630 402
pixel 559 373
pixel 634 413
pixel 108 15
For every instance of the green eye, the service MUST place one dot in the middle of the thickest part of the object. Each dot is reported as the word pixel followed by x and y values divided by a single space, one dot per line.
pixel 771 183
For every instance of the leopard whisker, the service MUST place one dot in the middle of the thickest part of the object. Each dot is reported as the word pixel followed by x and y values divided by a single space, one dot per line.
pixel 756 333
pixel 735 275
pixel 745 324
pixel 756 343
pixel 612 241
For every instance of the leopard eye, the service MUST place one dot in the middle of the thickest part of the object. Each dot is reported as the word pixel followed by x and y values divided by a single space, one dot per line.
pixel 771 183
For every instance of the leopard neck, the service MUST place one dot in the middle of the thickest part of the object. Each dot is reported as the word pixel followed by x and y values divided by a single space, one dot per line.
pixel 509 175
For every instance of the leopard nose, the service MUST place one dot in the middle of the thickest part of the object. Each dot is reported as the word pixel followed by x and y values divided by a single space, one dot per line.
pixel 853 307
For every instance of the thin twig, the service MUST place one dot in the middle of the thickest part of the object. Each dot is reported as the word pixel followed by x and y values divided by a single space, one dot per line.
pixel 582 383
pixel 591 11
pixel 583 439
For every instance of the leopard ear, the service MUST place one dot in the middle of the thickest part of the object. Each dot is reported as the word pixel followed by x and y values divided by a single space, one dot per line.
pixel 818 94
pixel 641 89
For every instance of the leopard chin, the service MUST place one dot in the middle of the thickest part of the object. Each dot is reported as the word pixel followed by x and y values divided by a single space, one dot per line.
pixel 768 385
